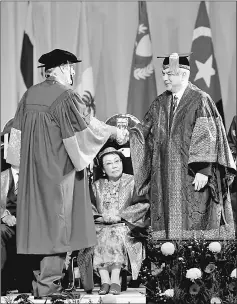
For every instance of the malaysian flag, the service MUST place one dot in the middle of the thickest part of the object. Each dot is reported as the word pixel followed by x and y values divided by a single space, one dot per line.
pixel 142 87
pixel 204 72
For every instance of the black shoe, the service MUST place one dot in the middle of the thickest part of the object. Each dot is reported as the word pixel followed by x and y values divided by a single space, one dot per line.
pixel 70 287
pixel 89 291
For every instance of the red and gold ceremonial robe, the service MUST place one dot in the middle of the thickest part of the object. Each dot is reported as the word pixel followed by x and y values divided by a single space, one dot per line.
pixel 167 157
pixel 54 141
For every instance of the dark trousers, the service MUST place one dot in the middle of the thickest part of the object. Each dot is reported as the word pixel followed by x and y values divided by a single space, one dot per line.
pixel 16 272
pixel 85 264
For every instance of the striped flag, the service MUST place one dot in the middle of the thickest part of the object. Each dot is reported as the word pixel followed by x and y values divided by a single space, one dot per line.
pixel 142 87
pixel 204 72
pixel 84 72
pixel 27 53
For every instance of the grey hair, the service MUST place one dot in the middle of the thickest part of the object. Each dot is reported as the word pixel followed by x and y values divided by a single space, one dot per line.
pixel 50 72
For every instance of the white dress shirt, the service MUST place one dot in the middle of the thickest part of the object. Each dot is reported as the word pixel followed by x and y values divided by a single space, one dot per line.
pixel 179 95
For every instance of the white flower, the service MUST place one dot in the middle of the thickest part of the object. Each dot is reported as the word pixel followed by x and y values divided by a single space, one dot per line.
pixel 215 300
pixel 193 274
pixel 214 247
pixel 167 248
pixel 169 293
pixel 234 273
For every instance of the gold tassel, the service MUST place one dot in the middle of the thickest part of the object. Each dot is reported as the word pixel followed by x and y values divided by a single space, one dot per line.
pixel 174 63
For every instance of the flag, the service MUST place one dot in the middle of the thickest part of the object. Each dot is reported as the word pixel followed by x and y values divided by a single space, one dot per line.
pixel 27 53
pixel 204 72
pixel 84 72
pixel 142 88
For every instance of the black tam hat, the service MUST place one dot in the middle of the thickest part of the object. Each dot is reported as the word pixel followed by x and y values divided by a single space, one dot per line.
pixel 175 61
pixel 56 58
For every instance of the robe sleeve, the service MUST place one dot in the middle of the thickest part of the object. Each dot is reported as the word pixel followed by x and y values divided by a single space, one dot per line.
pixel 93 201
pixel 137 210
pixel 14 145
pixel 209 141
pixel 232 137
pixel 82 134
pixel 141 147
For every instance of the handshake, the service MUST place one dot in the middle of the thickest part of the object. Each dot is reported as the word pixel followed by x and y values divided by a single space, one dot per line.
pixel 120 135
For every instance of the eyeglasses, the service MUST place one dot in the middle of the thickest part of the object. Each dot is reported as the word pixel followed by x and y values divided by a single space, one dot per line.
pixel 116 162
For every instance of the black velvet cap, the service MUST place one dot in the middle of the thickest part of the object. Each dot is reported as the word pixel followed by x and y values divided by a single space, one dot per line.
pixel 175 59
pixel 56 58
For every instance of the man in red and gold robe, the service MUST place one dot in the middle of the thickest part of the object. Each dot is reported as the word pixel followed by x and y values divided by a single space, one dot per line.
pixel 181 157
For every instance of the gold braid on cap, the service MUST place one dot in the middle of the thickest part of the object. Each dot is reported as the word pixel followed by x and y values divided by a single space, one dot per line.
pixel 166 66
pixel 174 65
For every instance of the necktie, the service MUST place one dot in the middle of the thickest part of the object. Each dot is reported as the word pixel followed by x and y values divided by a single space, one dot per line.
pixel 173 107
pixel 174 103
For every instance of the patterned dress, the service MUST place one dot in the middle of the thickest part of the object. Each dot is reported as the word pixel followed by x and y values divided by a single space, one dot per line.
pixel 115 244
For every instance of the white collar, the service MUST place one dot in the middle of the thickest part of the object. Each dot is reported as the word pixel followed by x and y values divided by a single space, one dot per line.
pixel 179 94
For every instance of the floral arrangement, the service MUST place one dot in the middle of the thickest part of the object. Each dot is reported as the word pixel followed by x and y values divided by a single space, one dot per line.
pixel 195 271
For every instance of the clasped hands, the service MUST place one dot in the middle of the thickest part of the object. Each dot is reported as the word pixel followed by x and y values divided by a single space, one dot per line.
pixel 121 135
pixel 200 181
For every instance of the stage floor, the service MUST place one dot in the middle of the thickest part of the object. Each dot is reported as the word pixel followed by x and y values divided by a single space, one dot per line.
pixel 131 295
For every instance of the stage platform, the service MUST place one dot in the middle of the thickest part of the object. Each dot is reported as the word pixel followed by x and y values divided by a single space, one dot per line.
pixel 131 295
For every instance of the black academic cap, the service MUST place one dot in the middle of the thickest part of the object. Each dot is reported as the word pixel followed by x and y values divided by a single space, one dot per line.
pixel 176 60
pixel 56 58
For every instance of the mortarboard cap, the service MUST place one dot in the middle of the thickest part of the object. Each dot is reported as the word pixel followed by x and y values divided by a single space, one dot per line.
pixel 56 58
pixel 175 61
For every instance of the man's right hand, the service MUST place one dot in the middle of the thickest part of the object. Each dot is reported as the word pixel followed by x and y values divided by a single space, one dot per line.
pixel 9 220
